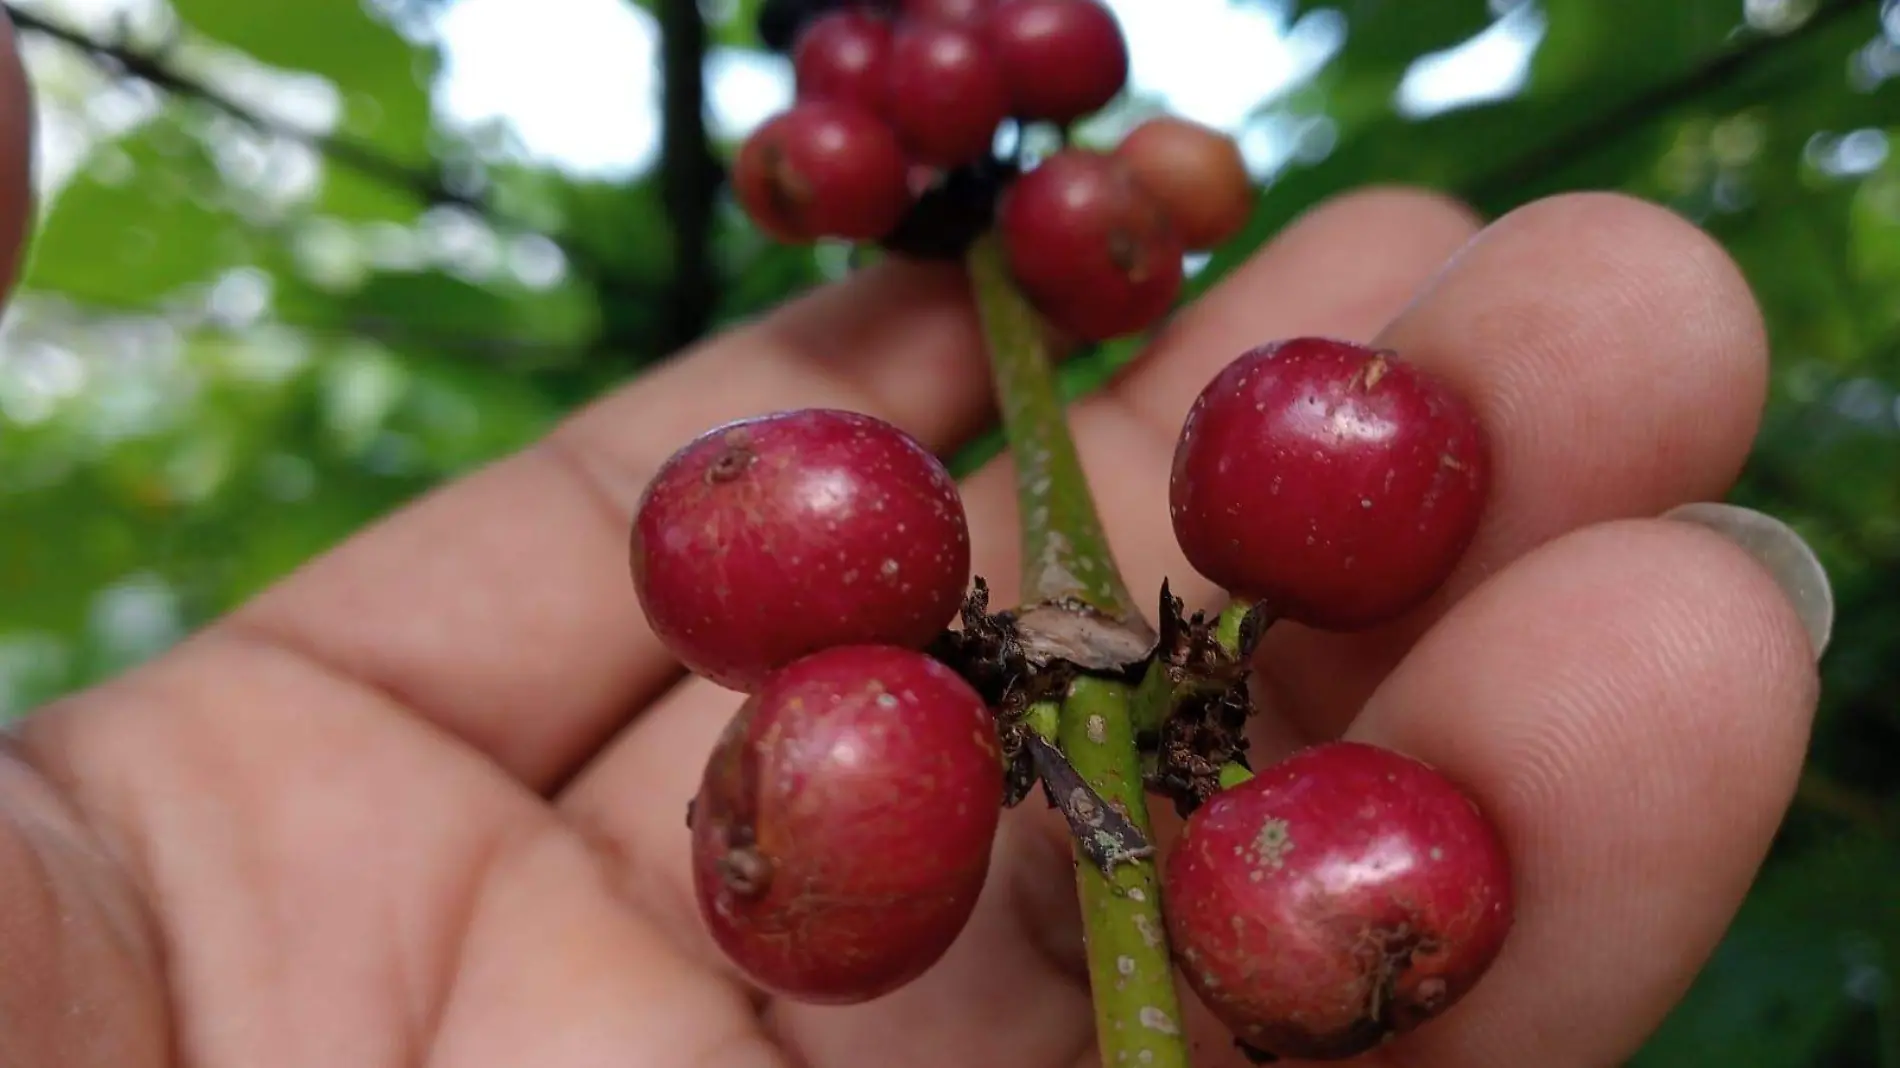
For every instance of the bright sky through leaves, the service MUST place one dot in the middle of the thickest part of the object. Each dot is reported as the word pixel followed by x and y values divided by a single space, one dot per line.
pixel 577 81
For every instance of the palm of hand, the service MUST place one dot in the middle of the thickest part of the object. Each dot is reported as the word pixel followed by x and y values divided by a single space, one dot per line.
pixel 423 802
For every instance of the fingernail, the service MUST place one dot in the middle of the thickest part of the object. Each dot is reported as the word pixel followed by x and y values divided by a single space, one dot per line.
pixel 1779 549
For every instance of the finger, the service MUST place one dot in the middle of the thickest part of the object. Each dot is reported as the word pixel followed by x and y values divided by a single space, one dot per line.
pixel 16 158
pixel 553 972
pixel 1631 705
pixel 1617 359
pixel 85 985
pixel 1007 993
pixel 501 607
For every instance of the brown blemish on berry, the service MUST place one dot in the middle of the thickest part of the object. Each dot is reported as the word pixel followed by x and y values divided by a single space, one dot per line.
pixel 786 188
pixel 745 871
pixel 1125 251
pixel 1372 372
pixel 733 460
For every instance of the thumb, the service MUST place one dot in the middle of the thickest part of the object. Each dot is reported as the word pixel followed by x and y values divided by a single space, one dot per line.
pixel 82 985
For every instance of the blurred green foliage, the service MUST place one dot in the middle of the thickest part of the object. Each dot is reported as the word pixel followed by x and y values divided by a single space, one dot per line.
pixel 229 352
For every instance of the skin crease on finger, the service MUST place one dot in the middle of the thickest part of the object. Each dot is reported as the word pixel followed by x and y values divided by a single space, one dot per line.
pixel 70 922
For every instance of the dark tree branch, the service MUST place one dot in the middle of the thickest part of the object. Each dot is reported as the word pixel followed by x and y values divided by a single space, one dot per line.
pixel 151 69
pixel 690 176
pixel 1502 184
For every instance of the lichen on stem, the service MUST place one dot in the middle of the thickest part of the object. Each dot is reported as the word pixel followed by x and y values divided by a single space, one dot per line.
pixel 1069 572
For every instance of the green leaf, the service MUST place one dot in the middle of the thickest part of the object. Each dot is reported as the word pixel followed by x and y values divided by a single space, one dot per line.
pixel 493 323
pixel 349 193
pixel 381 77
pixel 1391 33
pixel 1804 970
pixel 738 26
pixel 149 214
pixel 1636 41
pixel 1551 138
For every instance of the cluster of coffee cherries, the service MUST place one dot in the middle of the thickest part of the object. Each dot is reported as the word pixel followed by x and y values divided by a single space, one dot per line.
pixel 901 109
pixel 843 827
pixel 842 830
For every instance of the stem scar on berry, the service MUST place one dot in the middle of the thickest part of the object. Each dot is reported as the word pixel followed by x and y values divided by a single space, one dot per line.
pixel 744 871
pixel 738 456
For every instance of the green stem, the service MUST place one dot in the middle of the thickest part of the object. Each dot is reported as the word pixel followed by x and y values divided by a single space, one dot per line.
pixel 1227 626
pixel 1066 560
pixel 1131 975
pixel 1155 698
pixel 1045 718
pixel 1065 551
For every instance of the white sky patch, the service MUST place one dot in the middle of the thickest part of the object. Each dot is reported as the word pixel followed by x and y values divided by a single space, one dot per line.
pixel 1493 65
pixel 1215 61
pixel 577 80
pixel 743 89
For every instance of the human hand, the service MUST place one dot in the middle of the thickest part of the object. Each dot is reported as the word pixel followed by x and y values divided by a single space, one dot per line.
pixel 422 802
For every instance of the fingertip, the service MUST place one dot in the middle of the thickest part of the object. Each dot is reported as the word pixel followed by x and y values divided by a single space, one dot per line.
pixel 1628 654
pixel 1614 289
pixel 1703 289
pixel 1782 552
pixel 1428 213
pixel 1615 354
pixel 1617 361
pixel 1630 704
pixel 1380 241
